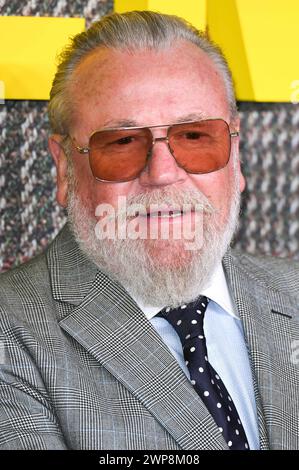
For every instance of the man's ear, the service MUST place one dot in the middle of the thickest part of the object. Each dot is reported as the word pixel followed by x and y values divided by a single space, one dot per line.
pixel 61 163
pixel 235 125
pixel 242 183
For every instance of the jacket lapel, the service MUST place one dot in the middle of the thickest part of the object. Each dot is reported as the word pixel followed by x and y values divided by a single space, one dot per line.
pixel 266 313
pixel 106 321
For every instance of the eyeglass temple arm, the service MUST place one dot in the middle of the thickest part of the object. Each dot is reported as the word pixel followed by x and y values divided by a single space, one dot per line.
pixel 82 150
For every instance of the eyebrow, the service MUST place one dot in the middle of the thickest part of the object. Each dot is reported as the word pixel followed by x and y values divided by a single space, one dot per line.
pixel 120 123
pixel 192 117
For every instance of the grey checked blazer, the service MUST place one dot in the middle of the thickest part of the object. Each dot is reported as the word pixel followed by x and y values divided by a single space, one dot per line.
pixel 82 367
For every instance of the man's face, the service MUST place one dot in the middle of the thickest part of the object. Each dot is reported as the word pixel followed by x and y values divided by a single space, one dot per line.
pixel 111 88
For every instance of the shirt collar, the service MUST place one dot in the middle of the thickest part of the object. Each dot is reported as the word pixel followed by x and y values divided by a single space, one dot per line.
pixel 217 290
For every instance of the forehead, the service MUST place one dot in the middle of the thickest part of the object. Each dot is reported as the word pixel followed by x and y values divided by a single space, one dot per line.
pixel 147 87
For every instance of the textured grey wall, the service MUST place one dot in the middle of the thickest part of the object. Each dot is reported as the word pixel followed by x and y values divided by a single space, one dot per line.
pixel 30 217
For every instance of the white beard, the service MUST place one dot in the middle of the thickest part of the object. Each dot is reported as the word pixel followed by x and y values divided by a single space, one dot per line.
pixel 158 272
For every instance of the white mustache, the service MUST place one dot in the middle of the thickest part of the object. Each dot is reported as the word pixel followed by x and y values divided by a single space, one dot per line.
pixel 164 201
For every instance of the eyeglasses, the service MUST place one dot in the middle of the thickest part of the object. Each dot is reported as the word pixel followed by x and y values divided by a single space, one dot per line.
pixel 121 154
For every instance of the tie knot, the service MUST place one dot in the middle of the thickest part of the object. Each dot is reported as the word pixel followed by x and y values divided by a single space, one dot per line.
pixel 187 320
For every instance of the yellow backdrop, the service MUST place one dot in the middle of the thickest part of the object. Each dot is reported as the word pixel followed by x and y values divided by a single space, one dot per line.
pixel 260 39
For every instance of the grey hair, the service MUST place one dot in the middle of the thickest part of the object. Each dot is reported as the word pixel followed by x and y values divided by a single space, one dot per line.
pixel 136 30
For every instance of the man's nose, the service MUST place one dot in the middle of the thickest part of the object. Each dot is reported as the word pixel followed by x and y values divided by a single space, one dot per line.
pixel 162 168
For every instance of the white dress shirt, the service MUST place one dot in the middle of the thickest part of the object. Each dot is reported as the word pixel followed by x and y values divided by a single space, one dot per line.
pixel 226 347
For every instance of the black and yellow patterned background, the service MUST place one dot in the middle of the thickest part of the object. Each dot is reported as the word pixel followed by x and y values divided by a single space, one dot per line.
pixel 30 216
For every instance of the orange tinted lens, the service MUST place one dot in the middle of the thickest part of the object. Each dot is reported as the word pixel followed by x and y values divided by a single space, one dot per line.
pixel 119 155
pixel 201 147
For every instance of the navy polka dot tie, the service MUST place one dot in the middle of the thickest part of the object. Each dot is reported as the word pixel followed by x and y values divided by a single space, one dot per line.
pixel 187 321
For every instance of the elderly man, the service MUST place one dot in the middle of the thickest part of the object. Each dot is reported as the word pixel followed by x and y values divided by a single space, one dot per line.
pixel 139 328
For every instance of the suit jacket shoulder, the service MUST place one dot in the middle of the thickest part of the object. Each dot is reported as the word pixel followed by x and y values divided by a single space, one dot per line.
pixel 280 274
